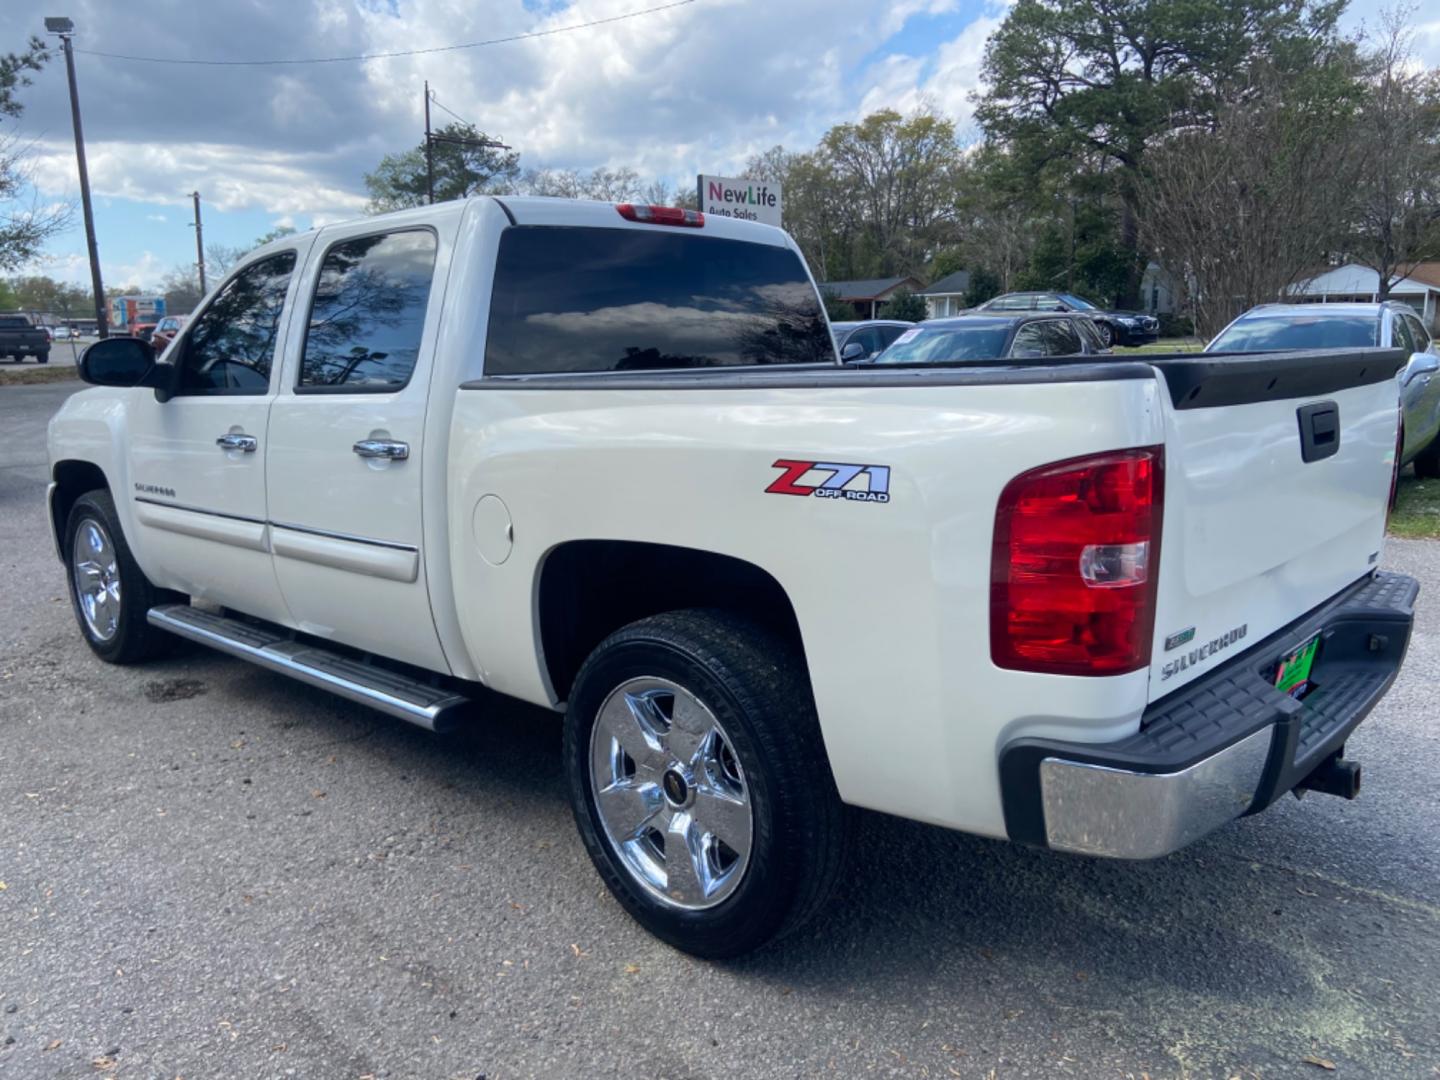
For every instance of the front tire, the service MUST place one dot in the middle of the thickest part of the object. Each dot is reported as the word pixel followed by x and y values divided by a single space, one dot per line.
pixel 108 591
pixel 1427 463
pixel 699 781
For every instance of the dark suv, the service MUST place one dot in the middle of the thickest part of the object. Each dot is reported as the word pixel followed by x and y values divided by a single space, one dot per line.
pixel 997 338
pixel 1116 327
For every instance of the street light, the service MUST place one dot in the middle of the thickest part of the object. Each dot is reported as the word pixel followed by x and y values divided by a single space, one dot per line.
pixel 65 28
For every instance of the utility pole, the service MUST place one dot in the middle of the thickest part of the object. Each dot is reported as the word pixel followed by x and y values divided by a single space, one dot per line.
pixel 429 151
pixel 199 242
pixel 454 140
pixel 65 29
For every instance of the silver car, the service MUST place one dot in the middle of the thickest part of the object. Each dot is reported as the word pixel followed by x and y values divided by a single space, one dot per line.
pixel 1387 325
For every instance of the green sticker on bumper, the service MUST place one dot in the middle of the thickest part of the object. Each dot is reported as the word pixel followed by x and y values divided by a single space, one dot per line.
pixel 1294 670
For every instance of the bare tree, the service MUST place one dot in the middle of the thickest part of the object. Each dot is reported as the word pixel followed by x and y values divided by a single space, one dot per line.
pixel 1242 209
pixel 26 221
pixel 1396 207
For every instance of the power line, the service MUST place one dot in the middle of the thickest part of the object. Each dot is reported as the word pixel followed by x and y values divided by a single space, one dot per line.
pixel 387 55
pixel 441 106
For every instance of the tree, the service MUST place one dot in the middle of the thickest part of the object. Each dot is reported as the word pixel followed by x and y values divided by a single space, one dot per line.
pixel 906 305
pixel 462 169
pixel 984 285
pixel 181 289
pixel 25 222
pixel 836 310
pixel 1243 208
pixel 875 198
pixel 1095 84
pixel 37 292
pixel 606 185
pixel 1396 204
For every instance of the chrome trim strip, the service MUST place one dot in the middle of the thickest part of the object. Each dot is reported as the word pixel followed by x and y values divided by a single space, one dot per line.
pixel 393 562
pixel 198 510
pixel 351 537
pixel 437 716
pixel 227 529
pixel 1098 810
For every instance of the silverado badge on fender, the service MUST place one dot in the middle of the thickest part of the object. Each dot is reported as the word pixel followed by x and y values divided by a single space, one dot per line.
pixel 836 486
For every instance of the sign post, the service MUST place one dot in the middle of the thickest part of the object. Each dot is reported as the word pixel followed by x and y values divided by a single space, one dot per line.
pixel 748 200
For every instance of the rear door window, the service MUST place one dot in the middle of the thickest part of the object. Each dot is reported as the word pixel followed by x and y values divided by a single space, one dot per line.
pixel 1030 341
pixel 1061 338
pixel 368 314
pixel 590 299
pixel 888 334
pixel 1400 334
pixel 1418 332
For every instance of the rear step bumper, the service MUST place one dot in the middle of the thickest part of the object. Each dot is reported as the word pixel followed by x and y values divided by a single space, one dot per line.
pixel 1226 745
pixel 399 695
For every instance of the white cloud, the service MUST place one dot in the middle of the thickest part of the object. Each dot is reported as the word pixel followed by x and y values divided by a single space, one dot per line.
pixel 156 217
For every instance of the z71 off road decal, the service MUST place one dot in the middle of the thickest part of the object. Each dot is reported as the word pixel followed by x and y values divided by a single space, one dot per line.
pixel 842 483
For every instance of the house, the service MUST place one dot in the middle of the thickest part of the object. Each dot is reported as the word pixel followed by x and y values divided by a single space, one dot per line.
pixel 1420 288
pixel 869 295
pixel 947 296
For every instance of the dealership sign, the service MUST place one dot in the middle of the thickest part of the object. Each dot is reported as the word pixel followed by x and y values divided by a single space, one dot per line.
pixel 748 200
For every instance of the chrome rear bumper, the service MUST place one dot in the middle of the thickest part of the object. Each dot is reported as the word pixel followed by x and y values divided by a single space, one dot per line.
pixel 1227 744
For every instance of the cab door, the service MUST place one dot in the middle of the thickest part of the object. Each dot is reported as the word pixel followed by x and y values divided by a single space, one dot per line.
pixel 197 461
pixel 346 450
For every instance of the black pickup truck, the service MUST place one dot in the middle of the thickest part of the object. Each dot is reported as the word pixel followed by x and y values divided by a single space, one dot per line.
pixel 19 338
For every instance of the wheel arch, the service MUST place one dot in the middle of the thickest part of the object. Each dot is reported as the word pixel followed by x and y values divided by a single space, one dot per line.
pixel 71 478
pixel 587 589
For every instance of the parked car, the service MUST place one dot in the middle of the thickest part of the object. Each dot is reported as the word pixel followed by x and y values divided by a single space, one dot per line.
pixel 21 337
pixel 995 337
pixel 603 459
pixel 166 329
pixel 1116 327
pixel 857 341
pixel 1388 325
pixel 143 330
pixel 62 333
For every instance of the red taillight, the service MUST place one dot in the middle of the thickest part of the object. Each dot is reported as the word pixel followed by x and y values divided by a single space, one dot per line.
pixel 1075 565
pixel 661 215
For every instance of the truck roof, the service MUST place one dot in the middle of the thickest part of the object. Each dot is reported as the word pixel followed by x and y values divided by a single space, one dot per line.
pixel 545 210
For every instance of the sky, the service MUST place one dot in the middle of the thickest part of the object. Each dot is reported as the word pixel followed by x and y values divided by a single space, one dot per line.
pixel 698 87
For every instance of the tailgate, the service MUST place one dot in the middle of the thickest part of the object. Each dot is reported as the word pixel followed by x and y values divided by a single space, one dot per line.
pixel 1277 479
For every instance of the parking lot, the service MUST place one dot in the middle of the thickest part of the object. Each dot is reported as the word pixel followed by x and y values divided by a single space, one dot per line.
pixel 207 870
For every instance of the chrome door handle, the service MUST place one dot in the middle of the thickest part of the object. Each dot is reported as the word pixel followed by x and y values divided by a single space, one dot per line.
pixel 247 444
pixel 388 449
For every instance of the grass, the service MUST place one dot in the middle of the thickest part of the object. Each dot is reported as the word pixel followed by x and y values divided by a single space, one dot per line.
pixel 1164 345
pixel 29 374
pixel 1417 508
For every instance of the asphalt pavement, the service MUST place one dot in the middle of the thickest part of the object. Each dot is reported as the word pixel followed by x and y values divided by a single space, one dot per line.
pixel 211 871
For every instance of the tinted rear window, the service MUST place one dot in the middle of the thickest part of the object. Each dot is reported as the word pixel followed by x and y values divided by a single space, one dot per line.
pixel 576 299
pixel 14 322
pixel 1298 332
pixel 943 346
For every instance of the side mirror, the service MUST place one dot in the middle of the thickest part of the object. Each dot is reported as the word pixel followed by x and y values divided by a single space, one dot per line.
pixel 117 361
pixel 851 352
pixel 125 362
pixel 1422 363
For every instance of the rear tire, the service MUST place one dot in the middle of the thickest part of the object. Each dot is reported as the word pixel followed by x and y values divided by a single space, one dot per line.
pixel 686 726
pixel 42 358
pixel 1427 464
pixel 1107 334
pixel 109 593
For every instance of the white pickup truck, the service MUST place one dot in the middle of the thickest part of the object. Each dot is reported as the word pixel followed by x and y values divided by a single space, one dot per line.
pixel 603 459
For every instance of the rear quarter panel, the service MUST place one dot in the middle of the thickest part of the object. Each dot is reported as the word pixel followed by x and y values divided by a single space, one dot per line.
pixel 892 599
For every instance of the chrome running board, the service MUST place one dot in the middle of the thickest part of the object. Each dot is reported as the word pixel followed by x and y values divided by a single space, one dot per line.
pixel 434 708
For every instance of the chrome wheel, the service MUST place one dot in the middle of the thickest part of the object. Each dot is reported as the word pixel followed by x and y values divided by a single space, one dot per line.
pixel 670 793
pixel 96 574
